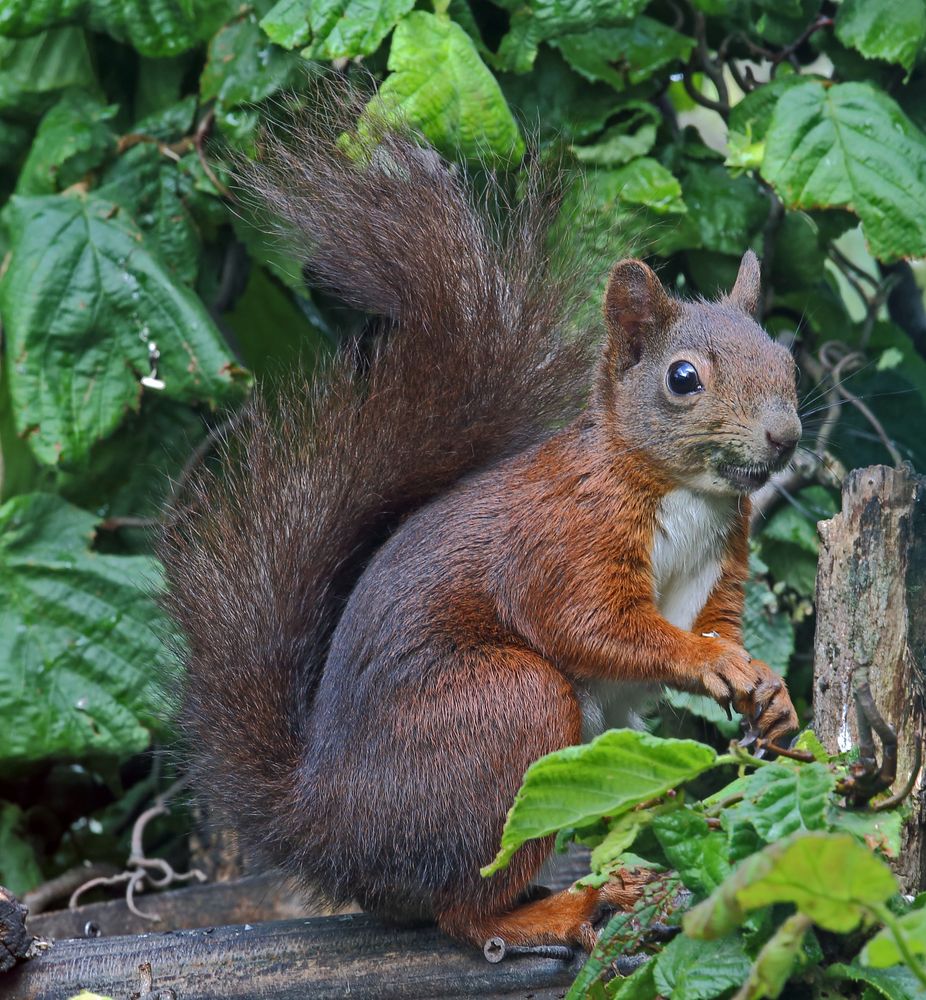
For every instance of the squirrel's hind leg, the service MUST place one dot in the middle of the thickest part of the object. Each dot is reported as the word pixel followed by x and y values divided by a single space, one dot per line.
pixel 567 917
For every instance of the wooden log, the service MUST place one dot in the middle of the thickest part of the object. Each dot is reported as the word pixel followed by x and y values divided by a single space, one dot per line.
pixel 871 618
pixel 251 900
pixel 325 958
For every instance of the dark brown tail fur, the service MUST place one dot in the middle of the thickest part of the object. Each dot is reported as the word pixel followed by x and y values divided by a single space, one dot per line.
pixel 477 364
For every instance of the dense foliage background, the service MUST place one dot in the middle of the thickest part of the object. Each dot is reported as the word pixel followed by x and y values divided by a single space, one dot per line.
pixel 139 298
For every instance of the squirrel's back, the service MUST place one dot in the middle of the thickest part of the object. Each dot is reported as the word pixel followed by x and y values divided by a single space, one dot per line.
pixel 471 364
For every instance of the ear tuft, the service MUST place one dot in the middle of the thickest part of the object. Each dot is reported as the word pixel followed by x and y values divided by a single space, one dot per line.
pixel 636 308
pixel 747 290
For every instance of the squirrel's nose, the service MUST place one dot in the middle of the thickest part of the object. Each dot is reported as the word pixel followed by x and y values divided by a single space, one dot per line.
pixel 783 439
pixel 782 432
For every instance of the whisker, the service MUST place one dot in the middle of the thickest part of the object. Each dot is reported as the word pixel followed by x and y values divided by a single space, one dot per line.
pixel 854 398
pixel 827 385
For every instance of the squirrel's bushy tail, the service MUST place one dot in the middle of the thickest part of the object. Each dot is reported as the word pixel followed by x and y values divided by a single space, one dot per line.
pixel 476 361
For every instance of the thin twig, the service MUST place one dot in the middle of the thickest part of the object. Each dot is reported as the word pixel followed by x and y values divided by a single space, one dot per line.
pixel 199 138
pixel 743 78
pixel 909 784
pixel 789 50
pixel 711 68
pixel 172 150
pixel 39 899
pixel 854 358
pixel 804 756
pixel 706 102
pixel 840 258
pixel 140 869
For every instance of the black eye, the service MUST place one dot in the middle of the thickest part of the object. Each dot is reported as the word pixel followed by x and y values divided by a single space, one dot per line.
pixel 682 378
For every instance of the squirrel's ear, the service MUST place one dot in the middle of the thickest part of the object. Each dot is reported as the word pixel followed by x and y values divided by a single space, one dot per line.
pixel 747 289
pixel 636 310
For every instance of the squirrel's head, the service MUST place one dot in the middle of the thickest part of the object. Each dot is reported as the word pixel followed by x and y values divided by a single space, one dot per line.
pixel 699 386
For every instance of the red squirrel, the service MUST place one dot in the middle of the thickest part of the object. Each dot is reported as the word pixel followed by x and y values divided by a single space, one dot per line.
pixel 411 576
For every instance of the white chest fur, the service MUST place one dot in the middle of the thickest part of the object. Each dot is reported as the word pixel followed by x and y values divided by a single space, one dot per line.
pixel 688 548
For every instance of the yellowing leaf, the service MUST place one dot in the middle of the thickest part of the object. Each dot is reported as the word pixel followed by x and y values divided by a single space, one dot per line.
pixel 440 84
pixel 831 878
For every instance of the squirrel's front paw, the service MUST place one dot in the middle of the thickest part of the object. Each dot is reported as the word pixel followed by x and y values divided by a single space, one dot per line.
pixel 752 688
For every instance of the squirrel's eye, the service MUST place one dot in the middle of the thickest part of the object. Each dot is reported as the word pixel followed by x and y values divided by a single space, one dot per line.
pixel 682 378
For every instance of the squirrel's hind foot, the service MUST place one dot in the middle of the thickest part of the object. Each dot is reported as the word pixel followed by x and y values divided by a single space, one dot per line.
pixel 567 918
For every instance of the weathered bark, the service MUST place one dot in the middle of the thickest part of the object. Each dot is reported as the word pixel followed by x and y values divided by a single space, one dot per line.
pixel 871 620
pixel 253 900
pixel 15 940
pixel 326 958
pixel 261 956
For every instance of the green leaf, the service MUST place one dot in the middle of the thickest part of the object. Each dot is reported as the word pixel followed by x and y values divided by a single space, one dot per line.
pixel 534 21
pixel 612 774
pixel 894 32
pixel 624 933
pixel 781 799
pixel 34 71
pixel 348 28
pixel 789 542
pixel 625 140
pixel 881 952
pixel 768 633
pixel 160 84
pixel 851 146
pixel 695 970
pixel 131 472
pixel 623 832
pixel 625 56
pixel 165 28
pixel 15 139
pixel 775 962
pixel 243 67
pixel 646 181
pixel 19 866
pixel 881 831
pixel 810 743
pixel 77 637
pixel 287 23
pixel 155 191
pixel 729 211
pixel 440 85
pixel 555 101
pixel 638 986
pixel 272 331
pixel 168 122
pixel 73 138
pixel 799 257
pixel 753 114
pixel 81 299
pixel 788 524
pixel 696 852
pixel 599 217
pixel 897 983
pixel 830 877
pixel 911 365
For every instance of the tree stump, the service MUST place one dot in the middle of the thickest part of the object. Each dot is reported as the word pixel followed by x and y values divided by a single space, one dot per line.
pixel 15 940
pixel 871 620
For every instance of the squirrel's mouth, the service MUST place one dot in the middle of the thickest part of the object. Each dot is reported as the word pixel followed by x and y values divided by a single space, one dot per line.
pixel 745 478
